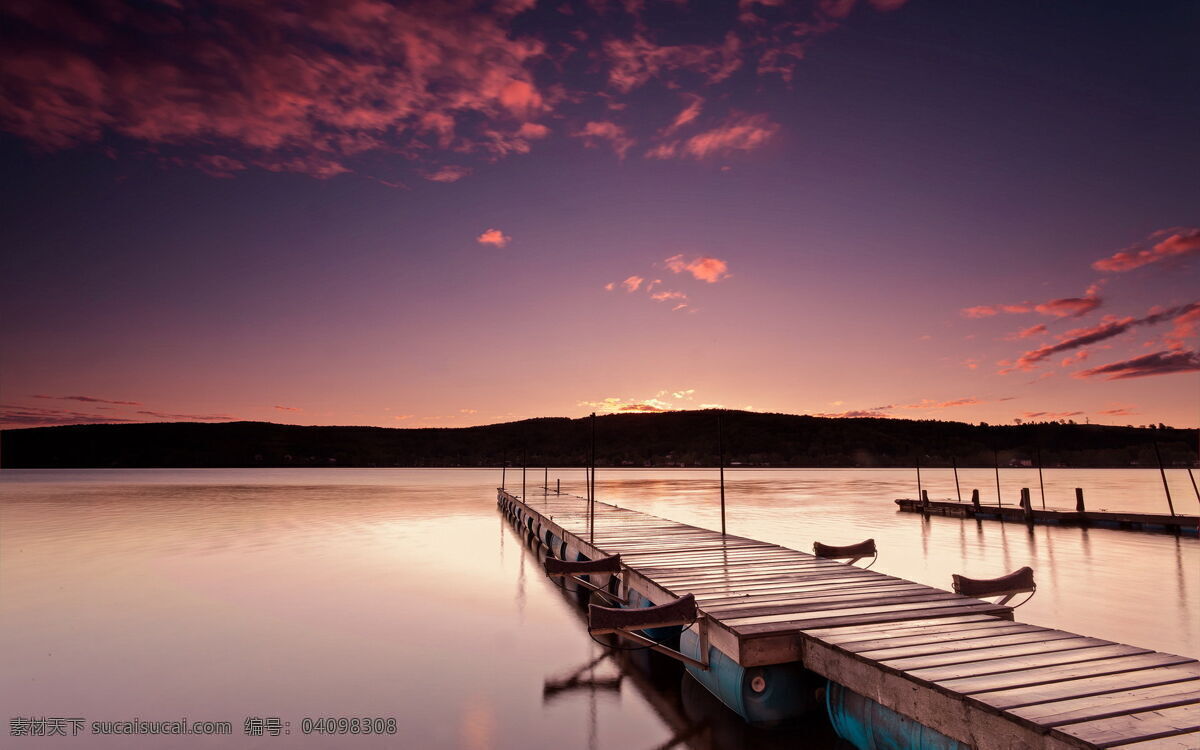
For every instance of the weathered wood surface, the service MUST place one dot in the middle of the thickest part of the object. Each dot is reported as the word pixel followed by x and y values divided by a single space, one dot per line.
pixel 1185 524
pixel 956 664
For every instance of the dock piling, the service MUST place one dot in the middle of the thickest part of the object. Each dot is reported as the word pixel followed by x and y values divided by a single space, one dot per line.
pixel 954 463
pixel 1041 484
pixel 1163 472
pixel 975 499
pixel 721 464
pixel 996 464
pixel 1079 500
pixel 1026 505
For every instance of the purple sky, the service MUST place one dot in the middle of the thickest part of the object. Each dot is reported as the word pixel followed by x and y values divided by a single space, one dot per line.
pixel 449 213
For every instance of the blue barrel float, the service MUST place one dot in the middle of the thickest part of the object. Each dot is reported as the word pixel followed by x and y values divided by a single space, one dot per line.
pixel 869 725
pixel 763 696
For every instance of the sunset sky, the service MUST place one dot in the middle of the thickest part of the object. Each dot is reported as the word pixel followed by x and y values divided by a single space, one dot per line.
pixel 454 213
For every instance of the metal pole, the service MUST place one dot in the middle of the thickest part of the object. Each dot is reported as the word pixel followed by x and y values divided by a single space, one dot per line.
pixel 721 464
pixel 954 463
pixel 1163 471
pixel 546 481
pixel 503 471
pixel 592 514
pixel 1193 478
pixel 524 456
pixel 1041 484
pixel 996 463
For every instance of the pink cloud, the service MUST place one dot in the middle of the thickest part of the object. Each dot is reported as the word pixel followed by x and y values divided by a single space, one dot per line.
pixel 632 283
pixel 704 268
pixel 1036 330
pixel 737 133
pixel 667 296
pixel 1186 326
pixel 1158 363
pixel 687 115
pixel 449 173
pixel 878 412
pixel 610 286
pixel 1069 307
pixel 634 62
pixel 288 408
pixel 493 237
pixel 1106 329
pixel 594 133
pixel 290 87
pixel 1172 243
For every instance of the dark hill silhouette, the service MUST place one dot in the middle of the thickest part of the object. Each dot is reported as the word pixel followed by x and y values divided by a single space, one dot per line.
pixel 687 438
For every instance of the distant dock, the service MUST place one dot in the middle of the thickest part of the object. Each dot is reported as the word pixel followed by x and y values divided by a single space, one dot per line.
pixel 1177 524
pixel 905 663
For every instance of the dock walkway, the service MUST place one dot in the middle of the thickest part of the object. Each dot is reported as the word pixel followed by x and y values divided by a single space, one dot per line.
pixel 958 665
pixel 1179 523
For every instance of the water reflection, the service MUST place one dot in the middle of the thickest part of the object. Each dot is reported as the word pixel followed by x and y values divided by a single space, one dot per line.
pixel 221 594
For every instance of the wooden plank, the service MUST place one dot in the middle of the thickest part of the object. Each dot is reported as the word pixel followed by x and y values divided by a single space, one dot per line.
pixel 944 634
pixel 1108 705
pixel 1059 673
pixel 1022 663
pixel 837 635
pixel 750 625
pixel 1136 727
pixel 865 618
pixel 735 615
pixel 969 644
pixel 1088 686
pixel 1188 741
pixel 983 657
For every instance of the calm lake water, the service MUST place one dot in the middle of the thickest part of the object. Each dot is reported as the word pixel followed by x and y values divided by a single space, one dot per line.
pixel 219 595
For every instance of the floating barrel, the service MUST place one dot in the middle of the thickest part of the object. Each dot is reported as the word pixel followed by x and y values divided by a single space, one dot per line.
pixel 872 726
pixel 763 696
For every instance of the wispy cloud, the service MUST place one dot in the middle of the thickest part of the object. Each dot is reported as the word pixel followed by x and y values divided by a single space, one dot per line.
pixel 449 173
pixel 1106 329
pixel 493 237
pixel 288 408
pixel 739 132
pixel 632 283
pixel 1158 363
pixel 597 132
pixel 32 416
pixel 1161 246
pixel 88 399
pixel 188 417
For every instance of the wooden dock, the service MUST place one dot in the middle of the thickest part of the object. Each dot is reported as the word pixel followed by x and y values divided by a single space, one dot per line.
pixel 957 665
pixel 1178 524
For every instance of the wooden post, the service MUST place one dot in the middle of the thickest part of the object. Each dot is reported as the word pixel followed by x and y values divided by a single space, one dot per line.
pixel 558 486
pixel 1194 487
pixel 920 492
pixel 1163 472
pixel 996 463
pixel 1079 500
pixel 524 458
pixel 592 505
pixel 925 499
pixel 546 480
pixel 1041 484
pixel 1026 505
pixel 975 499
pixel 954 463
pixel 503 472
pixel 721 464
